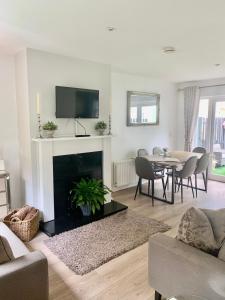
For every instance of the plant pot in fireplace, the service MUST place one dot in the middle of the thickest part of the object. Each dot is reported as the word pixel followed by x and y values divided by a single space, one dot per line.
pixel 89 195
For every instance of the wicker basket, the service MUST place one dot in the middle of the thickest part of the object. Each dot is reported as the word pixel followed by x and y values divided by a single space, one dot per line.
pixel 25 230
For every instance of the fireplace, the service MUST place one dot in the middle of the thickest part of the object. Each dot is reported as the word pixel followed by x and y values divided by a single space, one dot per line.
pixel 68 169
pixel 61 160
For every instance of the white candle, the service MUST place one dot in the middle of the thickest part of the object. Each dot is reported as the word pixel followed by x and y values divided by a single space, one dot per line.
pixel 38 103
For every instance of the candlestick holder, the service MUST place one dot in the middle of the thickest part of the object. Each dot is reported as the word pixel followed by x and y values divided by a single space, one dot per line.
pixel 110 125
pixel 39 126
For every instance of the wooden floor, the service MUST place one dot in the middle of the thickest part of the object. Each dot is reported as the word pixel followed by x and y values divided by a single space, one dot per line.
pixel 125 277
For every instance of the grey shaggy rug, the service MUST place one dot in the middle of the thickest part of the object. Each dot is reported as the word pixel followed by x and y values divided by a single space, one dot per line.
pixel 85 248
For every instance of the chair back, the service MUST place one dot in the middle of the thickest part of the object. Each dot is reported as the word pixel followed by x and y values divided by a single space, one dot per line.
pixel 157 151
pixel 144 168
pixel 202 163
pixel 142 152
pixel 199 150
pixel 189 167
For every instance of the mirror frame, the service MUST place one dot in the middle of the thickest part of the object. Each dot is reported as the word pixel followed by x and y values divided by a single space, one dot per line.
pixel 129 94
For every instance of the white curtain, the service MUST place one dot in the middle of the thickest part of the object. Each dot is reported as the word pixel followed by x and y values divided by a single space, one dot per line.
pixel 191 106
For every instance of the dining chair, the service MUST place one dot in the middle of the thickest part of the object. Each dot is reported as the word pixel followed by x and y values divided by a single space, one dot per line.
pixel 144 170
pixel 157 151
pixel 142 152
pixel 185 173
pixel 201 168
pixel 199 150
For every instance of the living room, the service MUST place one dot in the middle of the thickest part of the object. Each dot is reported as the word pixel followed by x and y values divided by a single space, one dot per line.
pixel 146 152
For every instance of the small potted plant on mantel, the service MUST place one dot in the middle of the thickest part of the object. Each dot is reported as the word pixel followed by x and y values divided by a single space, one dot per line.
pixel 49 129
pixel 89 195
pixel 100 127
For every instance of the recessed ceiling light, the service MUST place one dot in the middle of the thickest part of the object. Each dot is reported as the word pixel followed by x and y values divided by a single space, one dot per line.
pixel 217 65
pixel 110 28
pixel 168 50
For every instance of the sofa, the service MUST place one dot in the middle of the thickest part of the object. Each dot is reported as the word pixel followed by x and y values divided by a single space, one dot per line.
pixel 179 270
pixel 26 276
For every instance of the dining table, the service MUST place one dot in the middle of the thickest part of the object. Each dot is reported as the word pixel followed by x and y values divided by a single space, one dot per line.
pixel 172 160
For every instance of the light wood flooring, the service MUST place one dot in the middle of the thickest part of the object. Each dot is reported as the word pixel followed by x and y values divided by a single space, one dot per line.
pixel 126 277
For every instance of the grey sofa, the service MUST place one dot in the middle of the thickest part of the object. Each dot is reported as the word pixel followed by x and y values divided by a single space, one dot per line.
pixel 26 277
pixel 179 270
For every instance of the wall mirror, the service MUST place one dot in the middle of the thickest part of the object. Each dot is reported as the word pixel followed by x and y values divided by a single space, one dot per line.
pixel 142 108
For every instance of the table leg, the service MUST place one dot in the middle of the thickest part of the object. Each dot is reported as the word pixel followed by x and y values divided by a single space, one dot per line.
pixel 206 181
pixel 173 182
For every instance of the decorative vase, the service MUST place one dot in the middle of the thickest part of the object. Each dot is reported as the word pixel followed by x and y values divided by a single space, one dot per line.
pixel 49 133
pixel 86 210
pixel 101 131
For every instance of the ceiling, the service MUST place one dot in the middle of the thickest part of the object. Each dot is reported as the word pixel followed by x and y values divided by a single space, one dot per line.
pixel 78 28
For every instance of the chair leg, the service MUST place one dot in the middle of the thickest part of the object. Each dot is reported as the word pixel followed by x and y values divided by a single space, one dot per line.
pixel 204 179
pixel 137 188
pixel 153 191
pixel 192 187
pixel 164 188
pixel 188 182
pixel 181 186
pixel 158 296
pixel 176 184
pixel 167 182
pixel 196 186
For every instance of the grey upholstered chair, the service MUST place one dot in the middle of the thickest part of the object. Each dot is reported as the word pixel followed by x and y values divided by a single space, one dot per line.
pixel 142 152
pixel 185 173
pixel 144 170
pixel 199 150
pixel 157 151
pixel 201 168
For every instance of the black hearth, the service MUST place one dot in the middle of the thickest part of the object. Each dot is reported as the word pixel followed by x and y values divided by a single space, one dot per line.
pixel 68 169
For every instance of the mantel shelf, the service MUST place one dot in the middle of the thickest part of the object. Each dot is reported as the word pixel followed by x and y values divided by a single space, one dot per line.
pixel 70 138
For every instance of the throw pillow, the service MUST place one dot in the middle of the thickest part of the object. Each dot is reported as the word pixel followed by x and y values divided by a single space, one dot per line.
pixel 5 250
pixel 221 254
pixel 217 220
pixel 196 230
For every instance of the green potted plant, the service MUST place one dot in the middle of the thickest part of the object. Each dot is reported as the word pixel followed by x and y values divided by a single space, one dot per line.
pixel 49 129
pixel 89 195
pixel 100 127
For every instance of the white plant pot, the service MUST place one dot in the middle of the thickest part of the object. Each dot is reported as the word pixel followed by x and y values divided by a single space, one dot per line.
pixel 48 133
pixel 101 131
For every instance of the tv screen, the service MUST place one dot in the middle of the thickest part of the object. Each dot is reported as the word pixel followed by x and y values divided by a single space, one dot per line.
pixel 76 103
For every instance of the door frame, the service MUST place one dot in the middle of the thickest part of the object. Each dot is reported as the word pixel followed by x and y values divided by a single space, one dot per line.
pixel 210 126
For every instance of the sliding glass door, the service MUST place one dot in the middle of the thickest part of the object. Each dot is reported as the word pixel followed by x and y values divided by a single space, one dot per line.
pixel 210 134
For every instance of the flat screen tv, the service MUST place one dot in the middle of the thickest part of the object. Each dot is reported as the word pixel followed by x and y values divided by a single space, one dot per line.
pixel 76 103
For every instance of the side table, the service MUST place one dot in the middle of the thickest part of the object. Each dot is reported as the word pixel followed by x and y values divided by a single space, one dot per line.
pixel 5 176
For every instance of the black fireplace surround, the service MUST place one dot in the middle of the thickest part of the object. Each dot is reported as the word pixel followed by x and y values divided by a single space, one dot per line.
pixel 68 169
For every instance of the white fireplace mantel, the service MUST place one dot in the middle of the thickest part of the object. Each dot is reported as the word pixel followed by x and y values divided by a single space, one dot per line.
pixel 46 149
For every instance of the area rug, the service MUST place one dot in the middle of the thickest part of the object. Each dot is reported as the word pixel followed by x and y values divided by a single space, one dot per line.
pixel 85 248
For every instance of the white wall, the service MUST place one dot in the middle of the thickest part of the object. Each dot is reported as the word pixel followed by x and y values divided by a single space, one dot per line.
pixel 9 148
pixel 46 70
pixel 39 72
pixel 127 140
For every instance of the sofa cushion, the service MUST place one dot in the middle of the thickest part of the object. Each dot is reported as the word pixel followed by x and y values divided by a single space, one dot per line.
pixel 217 220
pixel 195 230
pixel 221 254
pixel 5 251
pixel 17 246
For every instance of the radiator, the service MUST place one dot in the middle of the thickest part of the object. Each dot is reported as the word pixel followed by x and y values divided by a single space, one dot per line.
pixel 124 173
